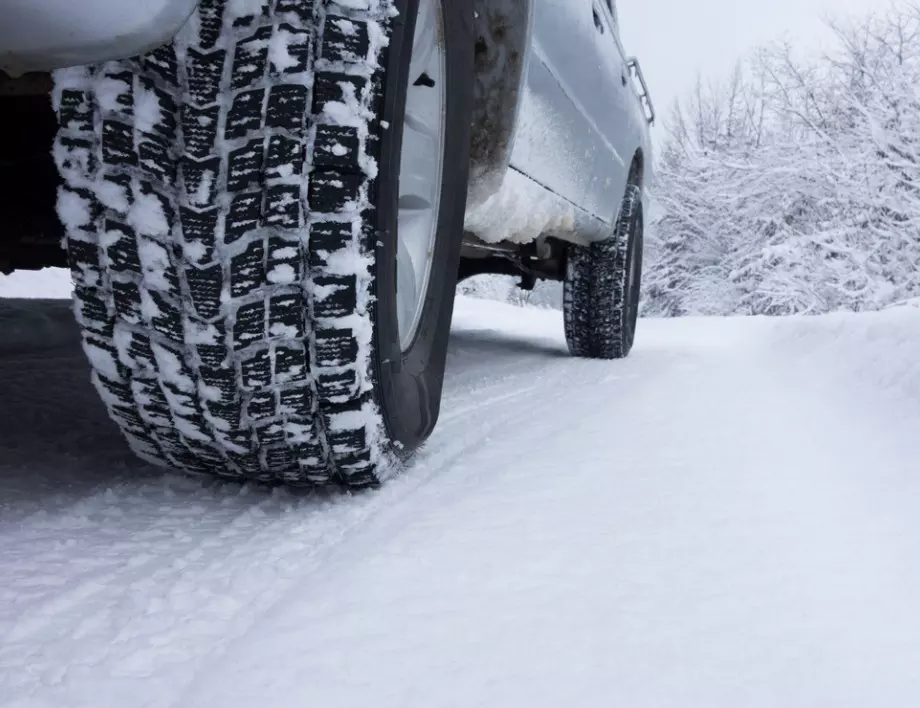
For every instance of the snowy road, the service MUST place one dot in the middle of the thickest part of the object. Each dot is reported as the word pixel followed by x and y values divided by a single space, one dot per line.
pixel 727 519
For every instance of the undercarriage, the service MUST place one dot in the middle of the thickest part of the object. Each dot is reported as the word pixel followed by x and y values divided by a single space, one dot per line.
pixel 31 234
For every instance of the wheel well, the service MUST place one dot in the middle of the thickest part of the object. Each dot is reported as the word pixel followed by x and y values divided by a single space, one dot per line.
pixel 502 33
pixel 31 234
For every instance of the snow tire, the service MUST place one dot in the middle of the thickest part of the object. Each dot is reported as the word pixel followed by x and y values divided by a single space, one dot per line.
pixel 230 207
pixel 601 289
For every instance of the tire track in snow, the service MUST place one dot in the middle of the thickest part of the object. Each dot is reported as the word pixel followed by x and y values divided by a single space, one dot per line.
pixel 551 488
pixel 145 560
pixel 151 564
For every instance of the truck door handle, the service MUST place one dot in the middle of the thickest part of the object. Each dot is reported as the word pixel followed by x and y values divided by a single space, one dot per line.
pixel 598 23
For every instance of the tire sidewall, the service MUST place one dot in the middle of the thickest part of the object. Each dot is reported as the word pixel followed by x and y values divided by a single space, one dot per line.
pixel 409 384
pixel 632 289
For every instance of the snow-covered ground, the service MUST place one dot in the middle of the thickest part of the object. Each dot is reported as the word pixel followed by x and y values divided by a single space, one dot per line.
pixel 727 519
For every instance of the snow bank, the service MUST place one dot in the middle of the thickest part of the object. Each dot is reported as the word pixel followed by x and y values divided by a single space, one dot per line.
pixel 49 282
pixel 874 351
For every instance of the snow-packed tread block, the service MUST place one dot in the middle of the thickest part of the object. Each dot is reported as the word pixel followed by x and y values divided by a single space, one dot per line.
pixel 245 114
pixel 337 147
pixel 155 411
pixel 76 110
pixel 127 296
pixel 247 269
pixel 250 60
pixel 243 216
pixel 335 347
pixel 156 160
pixel 335 385
pixel 283 206
pixel 83 258
pixel 198 227
pixel 262 404
pixel 270 435
pixel 199 129
pixel 120 84
pixel 286 317
pixel 326 239
pixel 134 350
pixel 294 400
pixel 92 312
pixel 335 192
pixel 74 157
pixel 284 261
pixel 203 71
pixel 158 267
pixel 220 252
pixel 256 370
pixel 345 40
pixel 221 384
pixel 205 286
pixel 118 143
pixel 249 324
pixel 245 167
pixel 162 63
pixel 285 157
pixel 200 179
pixel 290 364
pixel 121 250
pixel 335 87
pixel 166 318
pixel 287 105
pixel 302 10
pixel 279 458
pixel 298 51
pixel 155 99
pixel 210 22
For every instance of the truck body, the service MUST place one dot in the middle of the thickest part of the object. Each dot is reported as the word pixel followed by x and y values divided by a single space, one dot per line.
pixel 561 111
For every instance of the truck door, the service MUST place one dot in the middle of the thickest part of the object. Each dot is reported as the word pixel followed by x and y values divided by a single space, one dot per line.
pixel 557 138
pixel 616 125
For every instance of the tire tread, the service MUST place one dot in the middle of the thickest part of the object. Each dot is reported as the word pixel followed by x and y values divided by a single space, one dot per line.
pixel 221 250
pixel 595 291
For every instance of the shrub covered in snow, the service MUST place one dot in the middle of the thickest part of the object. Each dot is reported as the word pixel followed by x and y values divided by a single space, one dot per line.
pixel 794 187
pixel 505 289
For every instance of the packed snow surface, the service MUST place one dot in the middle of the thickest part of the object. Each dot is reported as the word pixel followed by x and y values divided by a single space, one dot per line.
pixel 727 519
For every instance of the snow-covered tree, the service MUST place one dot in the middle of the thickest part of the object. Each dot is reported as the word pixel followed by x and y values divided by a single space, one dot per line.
pixel 794 187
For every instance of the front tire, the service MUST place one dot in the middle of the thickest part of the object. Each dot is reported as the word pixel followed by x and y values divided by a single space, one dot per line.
pixel 232 210
pixel 602 285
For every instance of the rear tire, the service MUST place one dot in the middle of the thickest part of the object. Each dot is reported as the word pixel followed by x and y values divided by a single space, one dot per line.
pixel 602 284
pixel 231 204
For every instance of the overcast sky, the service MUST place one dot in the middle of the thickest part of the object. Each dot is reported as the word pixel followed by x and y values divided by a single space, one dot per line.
pixel 675 39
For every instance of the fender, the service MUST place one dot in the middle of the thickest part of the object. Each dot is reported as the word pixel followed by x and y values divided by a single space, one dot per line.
pixel 503 30
pixel 40 35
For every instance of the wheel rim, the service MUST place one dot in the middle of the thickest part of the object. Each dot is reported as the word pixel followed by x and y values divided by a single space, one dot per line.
pixel 421 163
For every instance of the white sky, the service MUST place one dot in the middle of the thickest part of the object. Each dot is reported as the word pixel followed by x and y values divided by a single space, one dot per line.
pixel 674 39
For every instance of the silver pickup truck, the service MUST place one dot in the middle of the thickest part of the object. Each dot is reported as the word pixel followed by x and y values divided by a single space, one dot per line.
pixel 267 205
